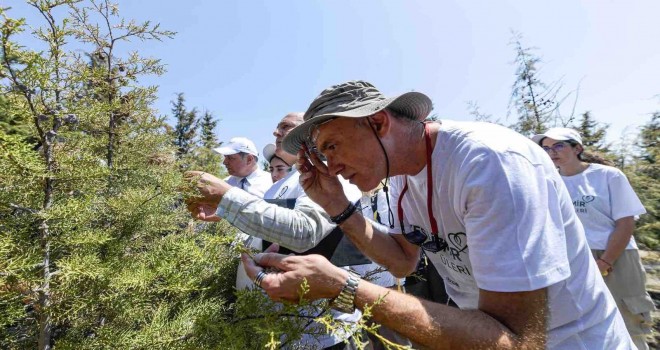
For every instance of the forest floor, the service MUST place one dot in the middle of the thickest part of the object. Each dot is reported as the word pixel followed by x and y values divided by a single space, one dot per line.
pixel 651 261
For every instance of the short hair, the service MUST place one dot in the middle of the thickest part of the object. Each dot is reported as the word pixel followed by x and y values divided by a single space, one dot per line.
pixel 400 115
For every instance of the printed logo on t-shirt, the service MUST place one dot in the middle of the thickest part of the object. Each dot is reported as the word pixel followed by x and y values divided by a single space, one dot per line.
pixel 581 204
pixel 454 255
pixel 282 192
pixel 453 252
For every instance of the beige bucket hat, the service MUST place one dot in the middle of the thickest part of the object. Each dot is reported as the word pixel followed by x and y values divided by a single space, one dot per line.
pixel 354 99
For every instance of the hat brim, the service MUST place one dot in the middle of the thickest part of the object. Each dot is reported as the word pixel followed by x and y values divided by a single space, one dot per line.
pixel 413 104
pixel 225 151
pixel 538 137
pixel 269 152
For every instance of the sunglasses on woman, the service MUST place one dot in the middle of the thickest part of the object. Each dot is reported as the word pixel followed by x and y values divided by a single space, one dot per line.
pixel 557 147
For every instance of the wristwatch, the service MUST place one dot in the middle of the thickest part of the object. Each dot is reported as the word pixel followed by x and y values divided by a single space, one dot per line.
pixel 345 301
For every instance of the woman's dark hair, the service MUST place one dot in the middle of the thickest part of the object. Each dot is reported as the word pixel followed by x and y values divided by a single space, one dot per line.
pixel 283 161
pixel 590 157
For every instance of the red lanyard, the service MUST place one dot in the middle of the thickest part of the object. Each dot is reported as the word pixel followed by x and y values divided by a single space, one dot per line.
pixel 429 185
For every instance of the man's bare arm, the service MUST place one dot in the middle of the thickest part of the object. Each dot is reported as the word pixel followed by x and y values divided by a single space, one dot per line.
pixel 511 320
pixel 503 320
pixel 391 251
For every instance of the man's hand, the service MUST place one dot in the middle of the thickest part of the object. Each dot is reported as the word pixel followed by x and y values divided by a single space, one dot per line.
pixel 323 278
pixel 211 189
pixel 319 185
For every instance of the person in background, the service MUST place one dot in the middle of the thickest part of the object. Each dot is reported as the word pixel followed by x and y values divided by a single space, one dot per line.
pixel 278 167
pixel 241 159
pixel 607 206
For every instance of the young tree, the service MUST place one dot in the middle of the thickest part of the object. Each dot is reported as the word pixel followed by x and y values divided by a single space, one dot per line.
pixel 475 111
pixel 93 252
pixel 185 129
pixel 203 156
pixel 593 133
pixel 95 249
pixel 536 103
pixel 207 126
pixel 644 179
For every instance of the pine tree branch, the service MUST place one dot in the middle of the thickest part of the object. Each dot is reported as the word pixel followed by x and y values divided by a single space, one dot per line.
pixel 24 209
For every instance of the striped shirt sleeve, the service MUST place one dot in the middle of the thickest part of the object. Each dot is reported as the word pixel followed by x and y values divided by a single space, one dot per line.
pixel 298 229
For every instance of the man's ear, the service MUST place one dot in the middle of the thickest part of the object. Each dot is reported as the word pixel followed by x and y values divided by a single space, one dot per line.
pixel 381 122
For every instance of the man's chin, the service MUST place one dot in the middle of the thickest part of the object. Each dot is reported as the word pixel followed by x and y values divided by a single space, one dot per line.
pixel 364 186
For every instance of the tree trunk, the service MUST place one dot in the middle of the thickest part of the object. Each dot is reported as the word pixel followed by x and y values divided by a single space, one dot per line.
pixel 45 323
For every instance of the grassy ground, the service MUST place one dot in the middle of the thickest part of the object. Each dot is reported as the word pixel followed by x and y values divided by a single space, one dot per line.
pixel 651 260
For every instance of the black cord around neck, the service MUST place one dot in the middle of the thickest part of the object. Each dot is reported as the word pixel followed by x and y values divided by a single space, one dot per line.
pixel 390 214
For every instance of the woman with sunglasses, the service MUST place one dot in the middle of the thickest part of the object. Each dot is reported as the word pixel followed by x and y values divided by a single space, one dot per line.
pixel 606 205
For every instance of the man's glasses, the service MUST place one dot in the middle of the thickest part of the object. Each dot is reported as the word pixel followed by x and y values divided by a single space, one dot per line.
pixel 557 147
pixel 312 135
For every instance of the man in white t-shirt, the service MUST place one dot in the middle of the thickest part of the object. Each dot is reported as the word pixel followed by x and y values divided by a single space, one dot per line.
pixel 484 202
pixel 241 159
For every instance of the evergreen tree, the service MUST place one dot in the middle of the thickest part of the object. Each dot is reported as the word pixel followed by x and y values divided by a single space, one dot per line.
pixel 12 122
pixel 644 179
pixel 593 138
pixel 93 253
pixel 203 157
pixel 593 133
pixel 207 133
pixel 535 102
pixel 185 128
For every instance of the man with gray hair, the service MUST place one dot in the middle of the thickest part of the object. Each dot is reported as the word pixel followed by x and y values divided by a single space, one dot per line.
pixel 485 203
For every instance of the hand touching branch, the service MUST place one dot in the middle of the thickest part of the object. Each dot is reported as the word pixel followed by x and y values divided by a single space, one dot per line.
pixel 211 189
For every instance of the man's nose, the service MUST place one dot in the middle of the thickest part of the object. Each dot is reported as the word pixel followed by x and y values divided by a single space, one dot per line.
pixel 333 167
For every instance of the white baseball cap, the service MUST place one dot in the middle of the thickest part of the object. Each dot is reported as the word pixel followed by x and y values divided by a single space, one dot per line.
pixel 269 151
pixel 237 145
pixel 559 134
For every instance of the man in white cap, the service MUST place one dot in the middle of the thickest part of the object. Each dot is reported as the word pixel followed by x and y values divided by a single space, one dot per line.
pixel 485 203
pixel 241 159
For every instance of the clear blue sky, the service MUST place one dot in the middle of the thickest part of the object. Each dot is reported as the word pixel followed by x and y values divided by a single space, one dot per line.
pixel 251 62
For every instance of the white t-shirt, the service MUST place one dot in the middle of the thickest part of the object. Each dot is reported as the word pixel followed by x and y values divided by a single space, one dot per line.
pixel 258 182
pixel 507 220
pixel 601 195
